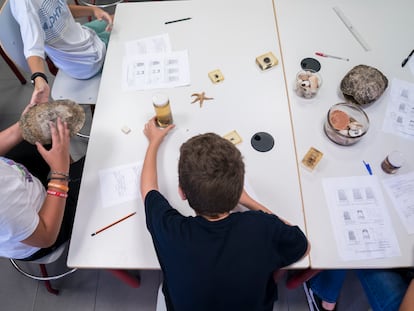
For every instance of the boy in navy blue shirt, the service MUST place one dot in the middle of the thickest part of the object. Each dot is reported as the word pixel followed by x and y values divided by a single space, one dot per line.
pixel 217 260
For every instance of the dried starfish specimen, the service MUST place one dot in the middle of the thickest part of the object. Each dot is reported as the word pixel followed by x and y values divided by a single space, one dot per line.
pixel 200 97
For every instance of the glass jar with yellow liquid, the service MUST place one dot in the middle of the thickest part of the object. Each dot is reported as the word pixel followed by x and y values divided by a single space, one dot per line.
pixel 162 108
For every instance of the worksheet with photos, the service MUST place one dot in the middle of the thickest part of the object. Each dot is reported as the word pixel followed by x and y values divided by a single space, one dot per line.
pixel 400 189
pixel 359 217
pixel 149 63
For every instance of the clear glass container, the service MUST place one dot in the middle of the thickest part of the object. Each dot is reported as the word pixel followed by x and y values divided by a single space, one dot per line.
pixel 346 123
pixel 162 108
pixel 307 84
pixel 392 162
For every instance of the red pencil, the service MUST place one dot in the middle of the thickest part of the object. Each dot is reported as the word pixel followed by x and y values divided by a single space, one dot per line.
pixel 112 224
pixel 331 56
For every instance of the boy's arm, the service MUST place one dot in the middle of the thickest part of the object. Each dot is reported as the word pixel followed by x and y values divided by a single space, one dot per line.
pixel 86 11
pixel 53 208
pixel 252 204
pixel 9 138
pixel 155 135
pixel 41 89
pixel 408 301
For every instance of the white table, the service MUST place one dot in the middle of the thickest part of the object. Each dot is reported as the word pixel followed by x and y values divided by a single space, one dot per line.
pixel 310 26
pixel 226 35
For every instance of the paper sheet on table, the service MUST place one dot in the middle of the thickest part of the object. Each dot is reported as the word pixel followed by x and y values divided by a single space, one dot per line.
pixel 401 191
pixel 154 71
pixel 148 45
pixel 120 184
pixel 359 218
pixel 399 117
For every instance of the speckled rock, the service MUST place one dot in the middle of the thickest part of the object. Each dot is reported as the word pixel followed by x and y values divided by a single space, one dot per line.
pixel 35 122
pixel 363 84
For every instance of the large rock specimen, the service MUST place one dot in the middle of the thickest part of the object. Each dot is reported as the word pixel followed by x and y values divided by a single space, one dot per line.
pixel 35 122
pixel 363 84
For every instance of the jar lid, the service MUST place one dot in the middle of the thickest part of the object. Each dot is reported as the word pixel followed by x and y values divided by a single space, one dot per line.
pixel 396 159
pixel 159 99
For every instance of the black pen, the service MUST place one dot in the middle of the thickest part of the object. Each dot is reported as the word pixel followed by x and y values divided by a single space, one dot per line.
pixel 405 61
pixel 178 20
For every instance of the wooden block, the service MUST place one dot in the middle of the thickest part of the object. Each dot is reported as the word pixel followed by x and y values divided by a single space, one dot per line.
pixel 312 158
pixel 233 137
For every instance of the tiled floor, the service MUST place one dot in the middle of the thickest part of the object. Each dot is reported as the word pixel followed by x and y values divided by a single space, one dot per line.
pixel 97 289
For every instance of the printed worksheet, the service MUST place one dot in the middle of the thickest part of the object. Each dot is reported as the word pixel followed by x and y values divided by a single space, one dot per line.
pixel 149 63
pixel 399 117
pixel 120 184
pixel 360 220
pixel 400 189
pixel 155 71
pixel 149 45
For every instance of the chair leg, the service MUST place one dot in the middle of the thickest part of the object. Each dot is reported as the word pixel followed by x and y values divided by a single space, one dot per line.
pixel 298 277
pixel 12 66
pixel 125 277
pixel 52 68
pixel 49 287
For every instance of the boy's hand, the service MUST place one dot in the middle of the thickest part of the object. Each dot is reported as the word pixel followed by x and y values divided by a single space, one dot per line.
pixel 40 93
pixel 103 15
pixel 57 157
pixel 154 133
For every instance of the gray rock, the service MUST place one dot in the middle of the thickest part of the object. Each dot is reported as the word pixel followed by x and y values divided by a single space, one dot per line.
pixel 363 84
pixel 35 122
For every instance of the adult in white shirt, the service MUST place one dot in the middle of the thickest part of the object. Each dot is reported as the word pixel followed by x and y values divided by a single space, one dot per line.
pixel 33 220
pixel 48 27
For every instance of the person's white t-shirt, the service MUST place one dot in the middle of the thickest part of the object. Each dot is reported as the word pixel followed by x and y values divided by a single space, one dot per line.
pixel 21 197
pixel 48 26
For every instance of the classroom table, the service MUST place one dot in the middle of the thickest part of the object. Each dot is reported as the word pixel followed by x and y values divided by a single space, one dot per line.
pixel 225 35
pixel 306 27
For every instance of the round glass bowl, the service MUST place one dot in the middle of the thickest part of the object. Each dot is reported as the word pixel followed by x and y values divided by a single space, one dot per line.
pixel 308 83
pixel 346 123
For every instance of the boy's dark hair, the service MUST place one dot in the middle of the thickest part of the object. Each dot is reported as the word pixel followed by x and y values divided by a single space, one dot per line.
pixel 211 174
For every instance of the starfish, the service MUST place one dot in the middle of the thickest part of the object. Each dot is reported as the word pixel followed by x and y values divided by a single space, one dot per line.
pixel 200 97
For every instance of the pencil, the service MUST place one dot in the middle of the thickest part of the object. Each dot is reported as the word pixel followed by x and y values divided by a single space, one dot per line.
pixel 113 224
pixel 178 20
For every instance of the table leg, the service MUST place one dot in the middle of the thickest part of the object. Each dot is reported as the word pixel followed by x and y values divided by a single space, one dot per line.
pixel 126 277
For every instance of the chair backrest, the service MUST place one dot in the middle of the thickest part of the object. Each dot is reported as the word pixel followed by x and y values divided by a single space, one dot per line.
pixel 50 258
pixel 10 37
pixel 53 256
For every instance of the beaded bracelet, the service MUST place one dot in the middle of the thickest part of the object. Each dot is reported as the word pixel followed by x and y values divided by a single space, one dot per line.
pixel 59 173
pixel 60 178
pixel 65 176
pixel 57 194
pixel 58 186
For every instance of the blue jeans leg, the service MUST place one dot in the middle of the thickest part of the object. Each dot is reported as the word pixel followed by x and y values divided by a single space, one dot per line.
pixel 328 284
pixel 385 289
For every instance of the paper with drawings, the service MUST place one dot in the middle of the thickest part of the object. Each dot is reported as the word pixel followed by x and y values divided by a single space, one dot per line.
pixel 400 189
pixel 120 184
pixel 359 218
pixel 399 117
